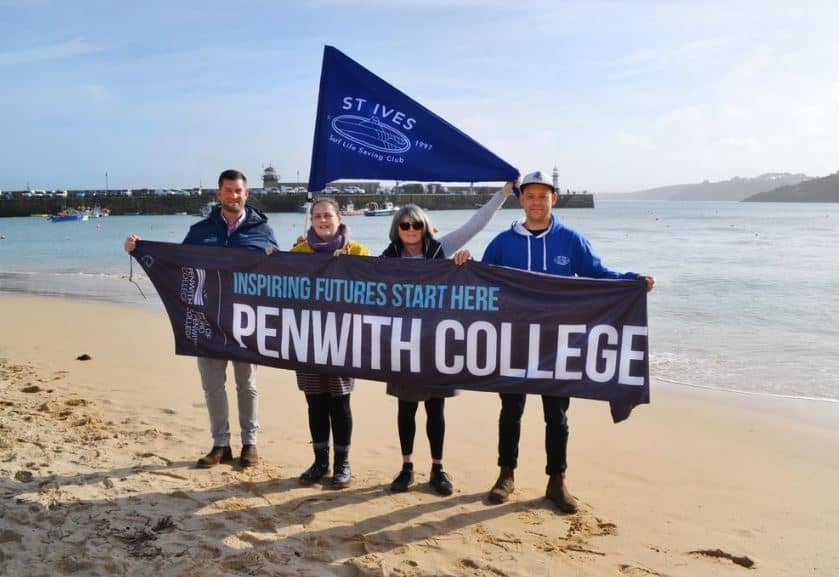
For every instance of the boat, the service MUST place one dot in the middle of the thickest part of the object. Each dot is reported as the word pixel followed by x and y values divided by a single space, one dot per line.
pixel 304 208
pixel 207 209
pixel 351 210
pixel 69 214
pixel 387 209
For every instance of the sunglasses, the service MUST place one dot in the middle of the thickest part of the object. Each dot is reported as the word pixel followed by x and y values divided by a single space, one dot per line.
pixel 409 225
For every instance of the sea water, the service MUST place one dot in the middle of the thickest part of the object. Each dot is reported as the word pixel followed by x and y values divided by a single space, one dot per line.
pixel 746 296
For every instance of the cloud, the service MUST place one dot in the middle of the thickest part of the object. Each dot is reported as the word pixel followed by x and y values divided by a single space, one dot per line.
pixel 63 50
pixel 96 93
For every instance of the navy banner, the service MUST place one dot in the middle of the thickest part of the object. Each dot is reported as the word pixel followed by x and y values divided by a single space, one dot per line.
pixel 366 128
pixel 473 327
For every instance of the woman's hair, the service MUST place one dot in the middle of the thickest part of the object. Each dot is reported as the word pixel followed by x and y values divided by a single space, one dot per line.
pixel 330 201
pixel 415 213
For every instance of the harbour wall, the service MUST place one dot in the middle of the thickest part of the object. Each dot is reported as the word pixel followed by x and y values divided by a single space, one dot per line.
pixel 265 203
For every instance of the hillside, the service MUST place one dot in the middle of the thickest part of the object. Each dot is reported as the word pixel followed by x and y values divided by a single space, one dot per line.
pixel 825 189
pixel 735 189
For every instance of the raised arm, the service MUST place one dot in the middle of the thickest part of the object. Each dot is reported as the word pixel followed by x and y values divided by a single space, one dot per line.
pixel 455 240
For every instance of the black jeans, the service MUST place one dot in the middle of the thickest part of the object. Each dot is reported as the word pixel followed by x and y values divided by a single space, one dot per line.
pixel 556 431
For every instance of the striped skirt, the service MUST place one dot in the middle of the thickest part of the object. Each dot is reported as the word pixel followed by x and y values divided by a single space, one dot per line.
pixel 319 383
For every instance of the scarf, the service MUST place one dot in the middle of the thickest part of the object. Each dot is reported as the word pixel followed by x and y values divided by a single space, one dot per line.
pixel 340 240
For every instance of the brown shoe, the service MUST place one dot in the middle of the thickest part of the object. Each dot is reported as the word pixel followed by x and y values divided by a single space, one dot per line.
pixel 557 492
pixel 249 456
pixel 215 456
pixel 504 486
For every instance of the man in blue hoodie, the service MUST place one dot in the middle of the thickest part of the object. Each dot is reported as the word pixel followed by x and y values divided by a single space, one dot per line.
pixel 540 243
pixel 233 223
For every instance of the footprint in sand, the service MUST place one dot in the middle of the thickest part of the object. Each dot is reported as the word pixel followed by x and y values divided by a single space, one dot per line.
pixel 634 571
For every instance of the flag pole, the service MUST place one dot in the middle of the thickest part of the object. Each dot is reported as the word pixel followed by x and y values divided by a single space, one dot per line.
pixel 308 206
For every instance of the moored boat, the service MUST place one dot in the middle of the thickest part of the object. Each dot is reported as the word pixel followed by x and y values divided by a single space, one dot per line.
pixel 69 214
pixel 351 210
pixel 387 209
pixel 207 209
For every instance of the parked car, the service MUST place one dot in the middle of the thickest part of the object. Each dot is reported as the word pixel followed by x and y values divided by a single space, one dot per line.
pixel 331 190
pixel 353 190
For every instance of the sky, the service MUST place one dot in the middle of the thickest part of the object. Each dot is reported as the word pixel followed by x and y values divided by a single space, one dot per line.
pixel 619 96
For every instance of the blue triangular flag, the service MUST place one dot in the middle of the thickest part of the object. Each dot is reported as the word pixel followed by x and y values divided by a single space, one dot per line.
pixel 366 128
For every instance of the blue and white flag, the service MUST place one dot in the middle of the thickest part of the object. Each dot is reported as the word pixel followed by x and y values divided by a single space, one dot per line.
pixel 366 128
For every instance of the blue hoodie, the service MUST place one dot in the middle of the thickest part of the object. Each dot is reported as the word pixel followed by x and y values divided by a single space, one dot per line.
pixel 560 251
pixel 254 231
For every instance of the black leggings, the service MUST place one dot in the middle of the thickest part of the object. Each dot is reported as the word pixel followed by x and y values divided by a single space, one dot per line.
pixel 435 426
pixel 325 411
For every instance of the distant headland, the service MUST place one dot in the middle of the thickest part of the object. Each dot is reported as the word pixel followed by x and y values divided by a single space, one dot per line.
pixel 769 187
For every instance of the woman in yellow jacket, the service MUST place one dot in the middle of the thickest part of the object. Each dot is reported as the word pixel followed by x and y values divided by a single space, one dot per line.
pixel 328 396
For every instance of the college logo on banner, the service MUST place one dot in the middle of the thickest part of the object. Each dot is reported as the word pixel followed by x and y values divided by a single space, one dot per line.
pixel 192 285
pixel 366 128
pixel 433 323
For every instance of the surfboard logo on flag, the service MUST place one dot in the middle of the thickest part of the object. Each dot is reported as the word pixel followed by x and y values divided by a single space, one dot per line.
pixel 366 128
pixel 370 132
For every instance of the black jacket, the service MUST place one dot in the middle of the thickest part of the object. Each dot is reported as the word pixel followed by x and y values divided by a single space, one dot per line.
pixel 431 249
pixel 253 233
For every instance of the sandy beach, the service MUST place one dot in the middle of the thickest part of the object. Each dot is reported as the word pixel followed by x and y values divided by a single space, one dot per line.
pixel 97 475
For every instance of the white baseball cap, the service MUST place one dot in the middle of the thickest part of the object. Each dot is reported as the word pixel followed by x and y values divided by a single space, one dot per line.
pixel 537 177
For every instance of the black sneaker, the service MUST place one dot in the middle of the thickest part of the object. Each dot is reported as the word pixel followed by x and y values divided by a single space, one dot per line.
pixel 403 480
pixel 441 482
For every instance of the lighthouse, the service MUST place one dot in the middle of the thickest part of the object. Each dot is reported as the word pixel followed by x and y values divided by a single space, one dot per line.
pixel 270 179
